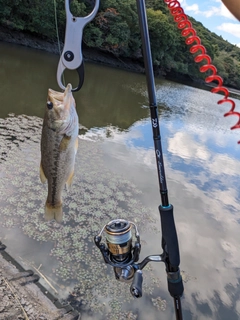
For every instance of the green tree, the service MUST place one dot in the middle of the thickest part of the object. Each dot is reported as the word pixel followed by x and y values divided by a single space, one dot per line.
pixel 163 38
pixel 115 30
pixel 35 16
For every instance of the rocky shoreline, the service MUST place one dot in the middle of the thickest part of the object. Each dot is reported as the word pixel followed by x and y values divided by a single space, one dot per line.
pixel 22 298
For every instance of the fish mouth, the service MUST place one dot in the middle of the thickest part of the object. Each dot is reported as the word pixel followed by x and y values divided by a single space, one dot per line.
pixel 57 97
pixel 59 114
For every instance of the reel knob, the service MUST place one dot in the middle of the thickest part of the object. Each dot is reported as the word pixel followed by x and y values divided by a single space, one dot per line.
pixel 136 287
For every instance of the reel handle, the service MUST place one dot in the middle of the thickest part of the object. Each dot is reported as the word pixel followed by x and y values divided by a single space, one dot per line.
pixel 136 287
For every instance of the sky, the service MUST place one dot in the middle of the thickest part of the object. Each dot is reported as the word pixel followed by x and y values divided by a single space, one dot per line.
pixel 215 17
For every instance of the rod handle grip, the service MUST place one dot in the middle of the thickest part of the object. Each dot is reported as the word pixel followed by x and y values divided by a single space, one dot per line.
pixel 169 235
pixel 175 284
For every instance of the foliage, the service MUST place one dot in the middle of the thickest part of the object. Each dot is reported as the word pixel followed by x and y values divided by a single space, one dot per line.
pixel 36 16
pixel 116 30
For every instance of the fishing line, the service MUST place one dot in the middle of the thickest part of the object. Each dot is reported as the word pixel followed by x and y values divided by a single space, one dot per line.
pixel 57 33
pixel 192 39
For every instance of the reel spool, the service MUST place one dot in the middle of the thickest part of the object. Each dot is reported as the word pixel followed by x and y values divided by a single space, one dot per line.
pixel 120 252
pixel 119 240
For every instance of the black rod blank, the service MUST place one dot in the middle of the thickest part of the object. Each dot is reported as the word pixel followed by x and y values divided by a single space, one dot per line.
pixel 152 100
pixel 169 234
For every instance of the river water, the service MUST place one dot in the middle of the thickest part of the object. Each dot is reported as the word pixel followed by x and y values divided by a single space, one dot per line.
pixel 116 176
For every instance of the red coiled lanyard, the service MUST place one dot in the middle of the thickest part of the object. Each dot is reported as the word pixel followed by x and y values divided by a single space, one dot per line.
pixel 188 31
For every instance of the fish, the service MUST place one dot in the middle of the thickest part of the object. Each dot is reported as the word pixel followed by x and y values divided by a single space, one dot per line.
pixel 59 145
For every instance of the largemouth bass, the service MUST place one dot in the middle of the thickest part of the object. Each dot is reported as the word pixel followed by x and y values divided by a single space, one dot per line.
pixel 59 144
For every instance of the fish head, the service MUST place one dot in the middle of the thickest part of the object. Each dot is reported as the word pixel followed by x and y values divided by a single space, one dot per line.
pixel 59 109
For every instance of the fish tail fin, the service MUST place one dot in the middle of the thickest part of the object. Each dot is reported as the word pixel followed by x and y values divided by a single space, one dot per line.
pixel 53 212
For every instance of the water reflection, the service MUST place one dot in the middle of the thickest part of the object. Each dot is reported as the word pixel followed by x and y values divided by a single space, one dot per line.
pixel 202 168
pixel 204 188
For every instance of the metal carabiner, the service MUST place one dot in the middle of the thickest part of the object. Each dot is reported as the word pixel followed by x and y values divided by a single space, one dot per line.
pixel 71 57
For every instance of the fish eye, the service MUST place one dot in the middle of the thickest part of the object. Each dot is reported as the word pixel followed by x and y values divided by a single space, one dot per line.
pixel 49 105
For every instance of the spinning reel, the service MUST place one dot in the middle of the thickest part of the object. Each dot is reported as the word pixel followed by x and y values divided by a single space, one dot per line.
pixel 120 253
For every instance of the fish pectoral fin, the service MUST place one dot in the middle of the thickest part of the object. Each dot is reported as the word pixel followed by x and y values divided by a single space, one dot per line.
pixel 64 143
pixel 53 212
pixel 69 181
pixel 42 174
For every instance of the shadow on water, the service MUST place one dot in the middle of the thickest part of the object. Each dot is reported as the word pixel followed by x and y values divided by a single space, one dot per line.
pixel 115 176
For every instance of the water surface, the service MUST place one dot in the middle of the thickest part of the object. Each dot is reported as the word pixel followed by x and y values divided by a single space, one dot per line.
pixel 116 177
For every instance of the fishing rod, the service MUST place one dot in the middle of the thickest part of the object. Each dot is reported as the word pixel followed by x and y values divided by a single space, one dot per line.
pixel 169 234
pixel 120 253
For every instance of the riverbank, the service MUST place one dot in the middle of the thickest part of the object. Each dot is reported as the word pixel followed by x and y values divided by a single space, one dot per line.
pixel 97 56
pixel 23 298
pixel 90 55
